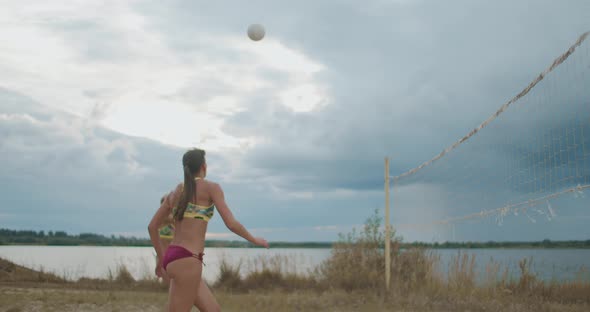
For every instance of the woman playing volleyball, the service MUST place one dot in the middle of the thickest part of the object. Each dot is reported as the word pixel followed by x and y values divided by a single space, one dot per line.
pixel 192 205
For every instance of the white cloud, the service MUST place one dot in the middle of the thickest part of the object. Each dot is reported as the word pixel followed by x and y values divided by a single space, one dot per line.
pixel 64 142
pixel 270 230
pixel 303 98
pixel 143 86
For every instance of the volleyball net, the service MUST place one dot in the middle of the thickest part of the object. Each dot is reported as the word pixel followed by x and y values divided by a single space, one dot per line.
pixel 530 161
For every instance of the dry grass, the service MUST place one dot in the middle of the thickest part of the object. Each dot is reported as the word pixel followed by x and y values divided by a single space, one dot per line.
pixel 351 279
pixel 17 299
pixel 355 270
pixel 10 272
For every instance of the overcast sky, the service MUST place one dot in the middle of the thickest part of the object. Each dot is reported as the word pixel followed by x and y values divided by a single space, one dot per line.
pixel 99 100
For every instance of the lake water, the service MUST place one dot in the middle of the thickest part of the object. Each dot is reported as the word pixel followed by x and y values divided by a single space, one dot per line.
pixel 73 262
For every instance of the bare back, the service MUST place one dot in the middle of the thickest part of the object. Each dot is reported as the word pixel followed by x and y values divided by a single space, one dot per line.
pixel 190 231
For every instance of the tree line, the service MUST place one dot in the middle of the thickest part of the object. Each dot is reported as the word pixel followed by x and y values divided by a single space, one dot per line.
pixel 546 243
pixel 61 238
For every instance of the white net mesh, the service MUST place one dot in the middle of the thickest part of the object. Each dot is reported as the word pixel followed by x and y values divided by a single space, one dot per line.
pixel 533 151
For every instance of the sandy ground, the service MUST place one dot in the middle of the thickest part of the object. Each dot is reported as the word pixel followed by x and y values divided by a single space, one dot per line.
pixel 38 298
pixel 46 297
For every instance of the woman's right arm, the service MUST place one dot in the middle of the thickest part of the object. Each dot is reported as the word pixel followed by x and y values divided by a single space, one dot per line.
pixel 159 217
pixel 228 218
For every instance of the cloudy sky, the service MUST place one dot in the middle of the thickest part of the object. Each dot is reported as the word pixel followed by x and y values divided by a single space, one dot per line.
pixel 99 99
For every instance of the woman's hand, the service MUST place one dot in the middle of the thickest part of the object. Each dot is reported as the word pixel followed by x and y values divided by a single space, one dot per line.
pixel 259 241
pixel 160 272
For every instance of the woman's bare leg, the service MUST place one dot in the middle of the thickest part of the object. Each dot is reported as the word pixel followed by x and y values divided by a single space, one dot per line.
pixel 185 278
pixel 205 300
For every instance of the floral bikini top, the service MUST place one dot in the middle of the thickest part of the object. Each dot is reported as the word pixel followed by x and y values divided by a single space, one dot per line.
pixel 193 211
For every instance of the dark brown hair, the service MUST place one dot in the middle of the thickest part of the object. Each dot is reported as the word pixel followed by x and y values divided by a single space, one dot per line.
pixel 192 161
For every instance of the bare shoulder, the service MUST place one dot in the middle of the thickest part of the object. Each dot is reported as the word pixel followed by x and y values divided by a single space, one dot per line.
pixel 178 189
pixel 214 189
pixel 175 193
pixel 213 186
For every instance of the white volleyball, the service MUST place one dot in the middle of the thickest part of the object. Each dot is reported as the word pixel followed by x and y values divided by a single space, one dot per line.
pixel 256 32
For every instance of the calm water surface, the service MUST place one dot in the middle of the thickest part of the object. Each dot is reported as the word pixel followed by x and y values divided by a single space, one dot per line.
pixel 73 262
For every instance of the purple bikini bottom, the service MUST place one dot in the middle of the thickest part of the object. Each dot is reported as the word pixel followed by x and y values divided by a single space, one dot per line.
pixel 175 252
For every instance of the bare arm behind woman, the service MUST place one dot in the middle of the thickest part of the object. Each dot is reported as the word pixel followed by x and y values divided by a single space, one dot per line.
pixel 228 218
pixel 159 217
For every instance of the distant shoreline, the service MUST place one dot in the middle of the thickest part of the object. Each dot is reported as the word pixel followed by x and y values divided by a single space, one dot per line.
pixel 60 238
pixel 318 246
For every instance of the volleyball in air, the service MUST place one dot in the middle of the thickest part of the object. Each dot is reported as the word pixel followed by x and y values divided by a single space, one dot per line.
pixel 256 32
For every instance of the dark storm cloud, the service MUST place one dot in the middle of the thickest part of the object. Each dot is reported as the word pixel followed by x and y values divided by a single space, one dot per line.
pixel 404 79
